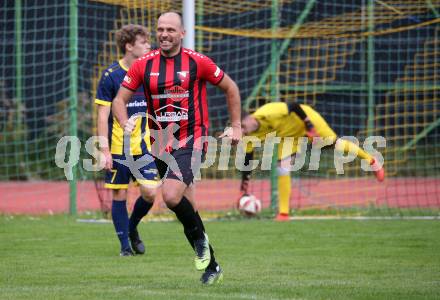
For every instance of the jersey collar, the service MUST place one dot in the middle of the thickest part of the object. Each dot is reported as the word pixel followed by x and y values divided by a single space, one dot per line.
pixel 170 57
pixel 122 65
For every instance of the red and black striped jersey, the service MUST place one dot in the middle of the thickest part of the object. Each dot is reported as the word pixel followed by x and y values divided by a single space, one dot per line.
pixel 175 89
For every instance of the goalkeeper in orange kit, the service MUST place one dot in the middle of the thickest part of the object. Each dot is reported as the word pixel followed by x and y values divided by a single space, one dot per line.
pixel 293 120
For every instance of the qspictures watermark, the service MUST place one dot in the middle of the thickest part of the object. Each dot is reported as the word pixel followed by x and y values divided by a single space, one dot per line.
pixel 68 152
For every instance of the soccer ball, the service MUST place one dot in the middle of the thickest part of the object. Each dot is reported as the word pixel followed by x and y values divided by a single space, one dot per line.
pixel 249 205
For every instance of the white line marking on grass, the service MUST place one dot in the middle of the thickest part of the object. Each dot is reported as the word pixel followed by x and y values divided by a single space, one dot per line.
pixel 298 218
pixel 106 221
pixel 97 221
pixel 207 296
pixel 365 218
pixel 195 295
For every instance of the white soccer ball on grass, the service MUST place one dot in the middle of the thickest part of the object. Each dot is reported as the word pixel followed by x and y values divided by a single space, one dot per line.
pixel 249 205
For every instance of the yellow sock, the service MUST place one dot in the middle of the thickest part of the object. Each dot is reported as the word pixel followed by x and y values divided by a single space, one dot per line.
pixel 284 187
pixel 349 146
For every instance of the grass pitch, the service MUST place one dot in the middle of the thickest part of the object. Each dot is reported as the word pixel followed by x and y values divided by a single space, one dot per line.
pixel 59 258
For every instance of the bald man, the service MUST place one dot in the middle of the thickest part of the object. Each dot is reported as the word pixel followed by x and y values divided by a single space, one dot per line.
pixel 175 87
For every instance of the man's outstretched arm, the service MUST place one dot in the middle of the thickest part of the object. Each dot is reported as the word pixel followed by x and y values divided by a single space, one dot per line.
pixel 119 109
pixel 232 93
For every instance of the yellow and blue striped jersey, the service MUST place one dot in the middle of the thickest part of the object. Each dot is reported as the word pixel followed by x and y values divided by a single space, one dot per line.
pixel 108 87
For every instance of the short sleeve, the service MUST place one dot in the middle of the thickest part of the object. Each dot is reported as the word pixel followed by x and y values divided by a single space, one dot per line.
pixel 106 91
pixel 134 76
pixel 209 71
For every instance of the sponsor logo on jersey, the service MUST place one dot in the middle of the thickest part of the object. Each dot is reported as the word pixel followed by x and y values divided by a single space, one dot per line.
pixel 182 75
pixel 154 74
pixel 137 104
pixel 150 171
pixel 127 79
pixel 179 113
pixel 176 93
pixel 217 72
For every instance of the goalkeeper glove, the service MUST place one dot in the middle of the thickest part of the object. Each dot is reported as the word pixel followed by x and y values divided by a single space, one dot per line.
pixel 244 186
pixel 310 129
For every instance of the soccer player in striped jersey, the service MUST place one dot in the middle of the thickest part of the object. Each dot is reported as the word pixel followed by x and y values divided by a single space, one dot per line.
pixel 175 79
pixel 292 120
pixel 133 42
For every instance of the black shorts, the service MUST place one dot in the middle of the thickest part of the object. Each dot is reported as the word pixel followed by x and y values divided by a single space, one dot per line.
pixel 181 164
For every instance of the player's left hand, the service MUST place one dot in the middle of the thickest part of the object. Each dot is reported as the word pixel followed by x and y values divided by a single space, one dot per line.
pixel 233 133
pixel 226 133
pixel 130 124
pixel 236 134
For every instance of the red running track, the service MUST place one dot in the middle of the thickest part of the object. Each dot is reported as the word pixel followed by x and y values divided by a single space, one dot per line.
pixel 216 195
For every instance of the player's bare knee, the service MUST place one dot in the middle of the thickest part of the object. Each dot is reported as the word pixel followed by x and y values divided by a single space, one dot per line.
pixel 171 198
pixel 148 194
pixel 171 201
pixel 120 194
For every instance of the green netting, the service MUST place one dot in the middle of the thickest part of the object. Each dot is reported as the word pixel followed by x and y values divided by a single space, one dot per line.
pixel 369 67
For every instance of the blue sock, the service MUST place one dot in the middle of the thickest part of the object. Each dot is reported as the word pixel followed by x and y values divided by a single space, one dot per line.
pixel 140 210
pixel 120 221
